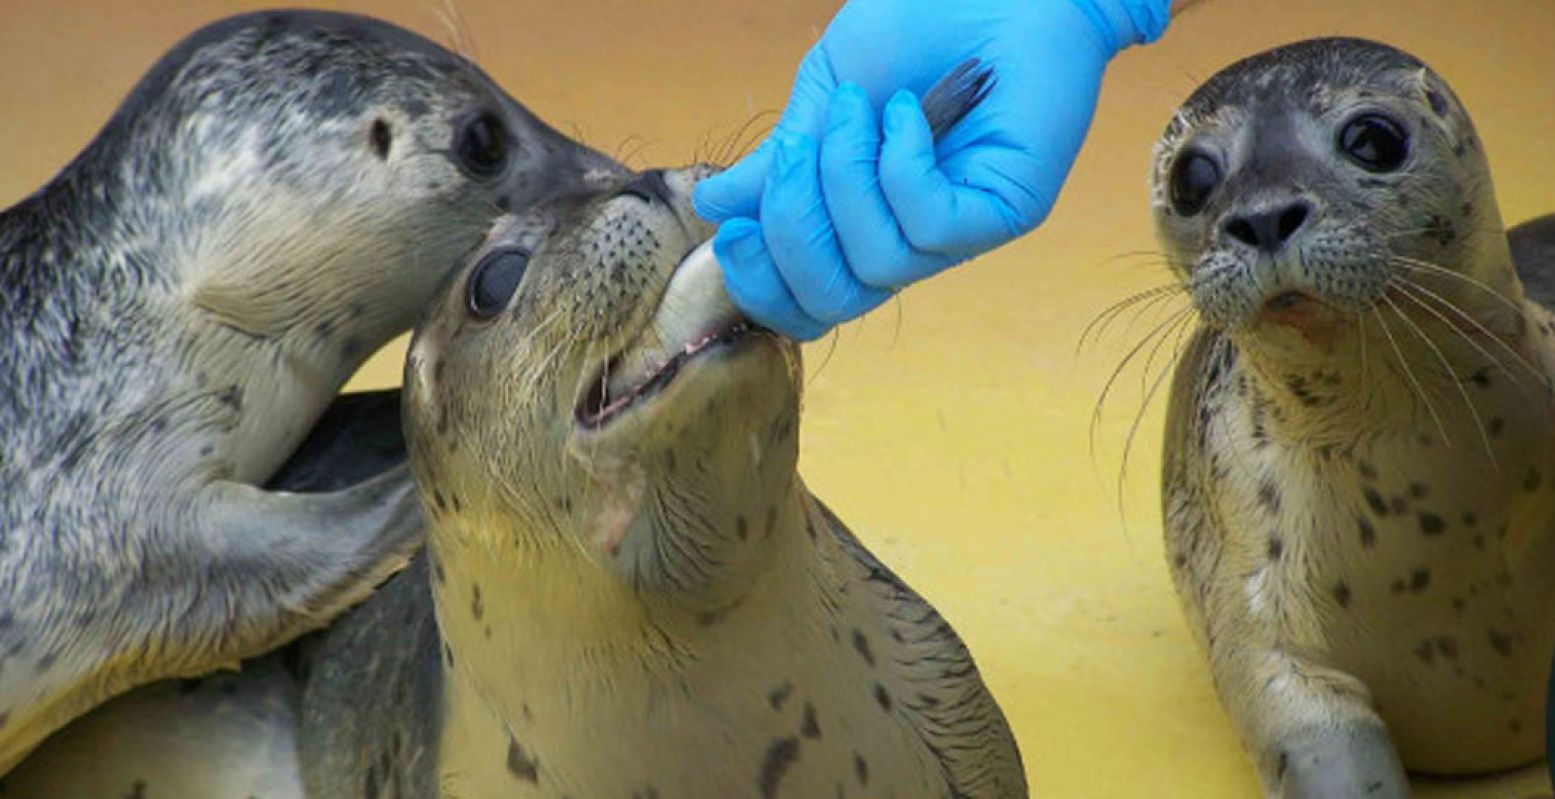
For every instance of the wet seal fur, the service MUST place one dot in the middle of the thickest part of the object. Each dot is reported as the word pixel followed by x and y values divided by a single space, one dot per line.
pixel 1359 468
pixel 279 195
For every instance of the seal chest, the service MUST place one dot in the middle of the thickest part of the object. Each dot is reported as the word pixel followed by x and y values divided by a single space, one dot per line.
pixel 1359 447
pixel 276 198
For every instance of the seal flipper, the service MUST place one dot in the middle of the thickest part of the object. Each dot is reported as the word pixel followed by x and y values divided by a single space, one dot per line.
pixel 235 734
pixel 280 563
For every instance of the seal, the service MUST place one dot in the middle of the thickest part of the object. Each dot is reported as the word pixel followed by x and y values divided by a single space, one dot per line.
pixel 627 590
pixel 278 196
pixel 1359 469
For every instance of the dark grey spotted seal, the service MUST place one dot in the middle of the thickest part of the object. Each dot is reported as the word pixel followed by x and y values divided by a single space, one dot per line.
pixel 628 589
pixel 280 195
pixel 1359 482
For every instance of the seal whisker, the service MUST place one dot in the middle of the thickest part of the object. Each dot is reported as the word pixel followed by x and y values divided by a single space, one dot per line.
pixel 1452 376
pixel 1426 266
pixel 1403 363
pixel 1181 324
pixel 1099 323
pixel 1412 290
pixel 1101 401
pixel 1500 342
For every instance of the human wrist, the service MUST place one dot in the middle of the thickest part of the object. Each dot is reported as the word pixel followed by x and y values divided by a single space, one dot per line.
pixel 1121 23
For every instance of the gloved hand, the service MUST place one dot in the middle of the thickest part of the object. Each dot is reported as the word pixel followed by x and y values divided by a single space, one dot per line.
pixel 841 205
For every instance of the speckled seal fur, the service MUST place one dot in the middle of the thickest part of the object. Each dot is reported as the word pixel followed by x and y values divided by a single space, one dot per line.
pixel 280 195
pixel 1359 468
pixel 640 603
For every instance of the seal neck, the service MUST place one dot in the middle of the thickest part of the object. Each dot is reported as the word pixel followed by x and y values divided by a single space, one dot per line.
pixel 552 628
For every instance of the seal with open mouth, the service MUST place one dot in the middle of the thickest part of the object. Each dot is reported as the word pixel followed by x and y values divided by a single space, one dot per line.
pixel 280 195
pixel 1359 476
pixel 628 590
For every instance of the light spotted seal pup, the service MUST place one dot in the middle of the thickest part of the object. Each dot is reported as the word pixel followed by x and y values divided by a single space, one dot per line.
pixel 1359 478
pixel 280 194
pixel 628 591
pixel 637 595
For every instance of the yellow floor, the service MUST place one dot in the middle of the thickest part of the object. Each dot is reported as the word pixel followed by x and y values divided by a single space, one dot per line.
pixel 951 429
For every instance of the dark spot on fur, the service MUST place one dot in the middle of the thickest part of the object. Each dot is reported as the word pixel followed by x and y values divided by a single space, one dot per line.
pixel 521 764
pixel 1419 580
pixel 448 655
pixel 861 768
pixel 1426 651
pixel 1419 490
pixel 1269 496
pixel 232 397
pixel 380 138
pixel 1515 725
pixel 1375 502
pixel 1531 480
pixel 1399 505
pixel 1448 646
pixel 1496 426
pixel 1469 518
pixel 1342 594
pixel 777 696
pixel 138 790
pixel 1437 102
pixel 882 697
pixel 809 727
pixel 1431 524
pixel 1499 641
pixel 1276 548
pixel 477 608
pixel 781 754
pixel 1367 471
pixel 861 644
pixel 1368 532
pixel 741 527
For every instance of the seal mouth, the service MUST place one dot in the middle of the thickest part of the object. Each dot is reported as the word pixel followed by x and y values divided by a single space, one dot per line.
pixel 693 321
pixel 616 390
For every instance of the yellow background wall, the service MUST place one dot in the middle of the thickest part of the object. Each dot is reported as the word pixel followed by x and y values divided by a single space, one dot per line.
pixel 950 428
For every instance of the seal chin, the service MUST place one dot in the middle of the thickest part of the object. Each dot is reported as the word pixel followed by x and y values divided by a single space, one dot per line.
pixel 694 327
pixel 1299 310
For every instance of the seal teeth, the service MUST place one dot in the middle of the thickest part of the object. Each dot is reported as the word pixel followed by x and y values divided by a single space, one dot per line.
pixel 607 401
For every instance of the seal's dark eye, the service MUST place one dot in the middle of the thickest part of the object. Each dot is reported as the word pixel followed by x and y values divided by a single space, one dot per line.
pixel 1375 143
pixel 1194 178
pixel 482 145
pixel 494 280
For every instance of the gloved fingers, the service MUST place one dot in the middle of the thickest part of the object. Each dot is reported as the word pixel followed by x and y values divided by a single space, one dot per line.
pixel 936 214
pixel 866 229
pixel 737 190
pixel 755 285
pixel 798 231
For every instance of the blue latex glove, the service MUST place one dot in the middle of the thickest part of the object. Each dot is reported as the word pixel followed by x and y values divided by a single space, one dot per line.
pixel 841 205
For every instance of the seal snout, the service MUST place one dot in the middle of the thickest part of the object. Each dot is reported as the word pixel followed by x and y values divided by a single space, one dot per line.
pixel 1267 230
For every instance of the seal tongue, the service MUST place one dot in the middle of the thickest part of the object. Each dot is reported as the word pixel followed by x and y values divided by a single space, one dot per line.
pixel 694 309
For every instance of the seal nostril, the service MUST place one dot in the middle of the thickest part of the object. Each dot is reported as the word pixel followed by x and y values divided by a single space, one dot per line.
pixel 1242 230
pixel 1269 230
pixel 1292 220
